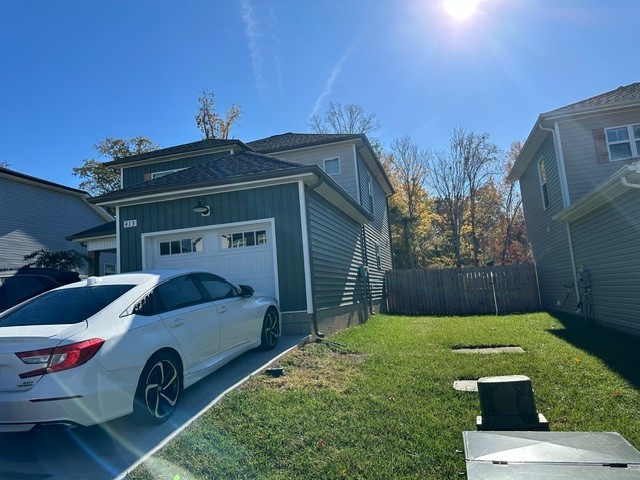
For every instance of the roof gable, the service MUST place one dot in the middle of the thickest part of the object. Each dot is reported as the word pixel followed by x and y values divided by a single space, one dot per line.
pixel 186 148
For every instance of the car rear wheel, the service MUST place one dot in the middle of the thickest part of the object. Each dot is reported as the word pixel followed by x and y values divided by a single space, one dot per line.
pixel 158 389
pixel 270 330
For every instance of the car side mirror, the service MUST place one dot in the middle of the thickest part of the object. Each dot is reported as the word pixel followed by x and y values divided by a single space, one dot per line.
pixel 246 291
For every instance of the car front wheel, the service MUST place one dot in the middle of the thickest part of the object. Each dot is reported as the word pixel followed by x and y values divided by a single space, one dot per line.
pixel 270 330
pixel 158 390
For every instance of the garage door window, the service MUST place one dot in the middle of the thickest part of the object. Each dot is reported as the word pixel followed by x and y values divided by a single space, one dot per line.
pixel 182 245
pixel 244 239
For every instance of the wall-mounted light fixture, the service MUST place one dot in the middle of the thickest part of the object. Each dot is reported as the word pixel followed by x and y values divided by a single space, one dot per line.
pixel 203 210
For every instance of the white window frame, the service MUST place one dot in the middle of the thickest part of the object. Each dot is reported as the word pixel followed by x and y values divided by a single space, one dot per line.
pixel 544 183
pixel 324 165
pixel 194 240
pixel 261 239
pixel 155 175
pixel 632 140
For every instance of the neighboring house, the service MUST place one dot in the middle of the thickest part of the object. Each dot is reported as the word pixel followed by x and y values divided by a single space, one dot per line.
pixel 579 173
pixel 37 214
pixel 302 217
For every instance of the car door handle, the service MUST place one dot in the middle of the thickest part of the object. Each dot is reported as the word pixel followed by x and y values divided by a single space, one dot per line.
pixel 176 323
pixel 222 309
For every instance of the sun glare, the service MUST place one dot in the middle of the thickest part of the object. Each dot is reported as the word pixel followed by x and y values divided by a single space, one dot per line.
pixel 460 9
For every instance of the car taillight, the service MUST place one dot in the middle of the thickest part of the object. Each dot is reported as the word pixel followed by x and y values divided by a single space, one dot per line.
pixel 60 358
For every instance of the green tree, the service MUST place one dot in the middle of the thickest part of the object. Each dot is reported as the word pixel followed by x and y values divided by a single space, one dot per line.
pixel 63 259
pixel 209 122
pixel 97 178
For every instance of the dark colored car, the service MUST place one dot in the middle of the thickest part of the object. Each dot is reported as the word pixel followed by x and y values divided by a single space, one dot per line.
pixel 19 285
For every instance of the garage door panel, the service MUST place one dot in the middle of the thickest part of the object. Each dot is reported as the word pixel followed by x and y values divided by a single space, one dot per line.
pixel 252 265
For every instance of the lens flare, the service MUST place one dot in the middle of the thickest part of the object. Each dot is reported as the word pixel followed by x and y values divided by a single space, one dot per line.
pixel 461 9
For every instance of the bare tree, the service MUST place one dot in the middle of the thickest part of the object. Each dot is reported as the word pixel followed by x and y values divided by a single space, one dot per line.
pixel 408 167
pixel 511 202
pixel 210 123
pixel 350 118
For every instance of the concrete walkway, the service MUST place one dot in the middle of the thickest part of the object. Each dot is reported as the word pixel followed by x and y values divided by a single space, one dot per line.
pixel 114 448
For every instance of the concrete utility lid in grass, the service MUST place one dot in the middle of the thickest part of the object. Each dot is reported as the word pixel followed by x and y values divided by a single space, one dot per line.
pixel 466 385
pixel 494 349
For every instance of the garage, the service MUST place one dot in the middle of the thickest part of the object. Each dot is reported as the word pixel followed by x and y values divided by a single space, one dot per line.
pixel 242 252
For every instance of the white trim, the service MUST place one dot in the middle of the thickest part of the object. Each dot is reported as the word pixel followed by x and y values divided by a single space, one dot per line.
pixel 118 260
pixel 546 202
pixel 162 173
pixel 631 140
pixel 564 185
pixel 305 246
pixel 177 194
pixel 324 165
pixel 316 146
pixel 357 174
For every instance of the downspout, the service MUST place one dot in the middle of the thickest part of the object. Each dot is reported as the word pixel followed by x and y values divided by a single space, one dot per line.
pixel 314 315
pixel 564 188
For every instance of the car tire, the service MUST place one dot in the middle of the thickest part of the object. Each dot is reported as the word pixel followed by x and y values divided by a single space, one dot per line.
pixel 158 389
pixel 270 330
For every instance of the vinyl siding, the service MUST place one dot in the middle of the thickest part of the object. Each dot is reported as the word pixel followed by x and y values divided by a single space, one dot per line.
pixel 376 232
pixel 135 175
pixel 33 218
pixel 279 202
pixel 607 243
pixel 583 171
pixel 548 237
pixel 347 178
pixel 336 254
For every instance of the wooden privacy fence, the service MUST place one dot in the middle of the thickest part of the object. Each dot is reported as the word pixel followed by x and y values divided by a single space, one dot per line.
pixel 463 291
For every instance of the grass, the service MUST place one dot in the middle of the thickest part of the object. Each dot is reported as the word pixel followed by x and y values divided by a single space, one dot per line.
pixel 376 401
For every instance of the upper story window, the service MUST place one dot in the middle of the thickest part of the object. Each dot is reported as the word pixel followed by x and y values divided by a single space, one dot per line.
pixel 332 166
pixel 623 142
pixel 542 174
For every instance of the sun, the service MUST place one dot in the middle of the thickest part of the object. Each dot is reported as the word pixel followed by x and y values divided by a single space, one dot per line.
pixel 461 9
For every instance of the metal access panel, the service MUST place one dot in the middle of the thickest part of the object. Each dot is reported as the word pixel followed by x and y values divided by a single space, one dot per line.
pixel 550 455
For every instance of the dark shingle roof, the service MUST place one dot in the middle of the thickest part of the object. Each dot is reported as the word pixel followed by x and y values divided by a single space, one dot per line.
pixel 291 141
pixel 13 173
pixel 622 94
pixel 239 165
pixel 187 147
pixel 103 230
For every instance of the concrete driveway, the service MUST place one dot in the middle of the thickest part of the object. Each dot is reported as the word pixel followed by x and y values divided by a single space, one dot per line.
pixel 112 449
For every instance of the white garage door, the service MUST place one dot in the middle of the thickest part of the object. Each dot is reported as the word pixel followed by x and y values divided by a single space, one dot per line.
pixel 243 253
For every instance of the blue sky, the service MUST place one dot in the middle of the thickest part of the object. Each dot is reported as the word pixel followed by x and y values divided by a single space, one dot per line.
pixel 77 71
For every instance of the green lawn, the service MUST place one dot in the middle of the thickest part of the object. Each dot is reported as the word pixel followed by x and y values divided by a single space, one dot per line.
pixel 376 401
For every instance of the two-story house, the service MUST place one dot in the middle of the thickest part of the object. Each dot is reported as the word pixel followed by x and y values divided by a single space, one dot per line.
pixel 302 217
pixel 579 174
pixel 37 214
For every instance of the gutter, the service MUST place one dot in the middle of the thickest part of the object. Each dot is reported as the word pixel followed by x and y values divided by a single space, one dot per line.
pixel 314 315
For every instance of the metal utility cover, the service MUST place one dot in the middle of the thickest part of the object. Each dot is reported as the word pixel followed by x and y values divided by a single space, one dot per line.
pixel 561 455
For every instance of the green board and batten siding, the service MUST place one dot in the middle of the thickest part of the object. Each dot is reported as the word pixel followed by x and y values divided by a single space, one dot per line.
pixel 279 202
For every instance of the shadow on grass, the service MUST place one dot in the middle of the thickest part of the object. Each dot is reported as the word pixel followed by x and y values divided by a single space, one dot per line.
pixel 619 351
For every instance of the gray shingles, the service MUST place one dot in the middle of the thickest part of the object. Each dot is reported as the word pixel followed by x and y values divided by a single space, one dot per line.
pixel 621 94
pixel 290 141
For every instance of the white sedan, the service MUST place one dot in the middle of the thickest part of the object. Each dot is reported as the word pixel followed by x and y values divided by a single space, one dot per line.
pixel 108 346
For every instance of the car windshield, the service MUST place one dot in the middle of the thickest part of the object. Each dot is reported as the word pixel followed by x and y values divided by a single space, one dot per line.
pixel 66 306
